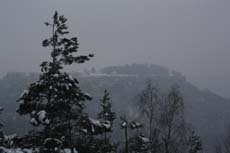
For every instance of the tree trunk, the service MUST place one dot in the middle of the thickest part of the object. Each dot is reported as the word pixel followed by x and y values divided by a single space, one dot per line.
pixel 150 127
pixel 126 141
pixel 105 136
pixel 168 139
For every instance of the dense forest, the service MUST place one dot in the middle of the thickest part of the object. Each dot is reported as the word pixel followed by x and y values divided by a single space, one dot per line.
pixel 138 108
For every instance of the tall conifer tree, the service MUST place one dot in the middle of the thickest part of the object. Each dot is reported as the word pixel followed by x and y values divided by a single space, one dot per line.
pixel 106 116
pixel 55 102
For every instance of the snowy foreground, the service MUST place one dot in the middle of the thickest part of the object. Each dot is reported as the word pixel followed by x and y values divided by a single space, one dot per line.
pixel 19 150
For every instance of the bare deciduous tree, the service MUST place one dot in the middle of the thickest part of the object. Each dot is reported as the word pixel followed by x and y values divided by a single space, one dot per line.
pixel 149 100
pixel 223 145
pixel 172 121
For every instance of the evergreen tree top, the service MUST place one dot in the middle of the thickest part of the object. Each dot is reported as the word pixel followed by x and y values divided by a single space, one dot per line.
pixel 63 48
pixel 56 97
pixel 106 114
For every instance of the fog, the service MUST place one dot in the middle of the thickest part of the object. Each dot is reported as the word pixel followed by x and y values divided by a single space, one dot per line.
pixel 189 36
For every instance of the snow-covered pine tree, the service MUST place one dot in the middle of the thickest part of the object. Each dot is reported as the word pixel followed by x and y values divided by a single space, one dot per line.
pixel 1 130
pixel 103 125
pixel 138 140
pixel 139 144
pixel 55 102
pixel 106 116
pixel 194 142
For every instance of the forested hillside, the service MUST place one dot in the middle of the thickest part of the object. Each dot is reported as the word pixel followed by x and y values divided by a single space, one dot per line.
pixel 207 112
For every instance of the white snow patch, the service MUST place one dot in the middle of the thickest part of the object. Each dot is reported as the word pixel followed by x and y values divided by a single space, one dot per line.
pixel 24 92
pixel 124 124
pixel 56 75
pixel 9 137
pixel 107 125
pixel 42 115
pixel 34 121
pixel 20 150
pixel 85 130
pixel 144 139
pixel 47 121
pixel 67 150
pixel 71 77
pixel 95 122
pixel 33 112
pixel 87 94
pixel 67 87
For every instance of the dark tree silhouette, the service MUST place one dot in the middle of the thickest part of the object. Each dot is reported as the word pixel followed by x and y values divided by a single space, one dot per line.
pixel 1 130
pixel 195 144
pixel 106 116
pixel 55 102
pixel 136 143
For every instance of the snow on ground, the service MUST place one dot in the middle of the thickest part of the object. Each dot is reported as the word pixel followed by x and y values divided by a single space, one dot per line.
pixel 19 150
pixel 5 150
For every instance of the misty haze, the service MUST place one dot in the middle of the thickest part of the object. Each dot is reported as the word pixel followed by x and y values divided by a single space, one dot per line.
pixel 124 76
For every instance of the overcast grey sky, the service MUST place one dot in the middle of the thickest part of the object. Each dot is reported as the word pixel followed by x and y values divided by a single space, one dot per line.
pixel 190 36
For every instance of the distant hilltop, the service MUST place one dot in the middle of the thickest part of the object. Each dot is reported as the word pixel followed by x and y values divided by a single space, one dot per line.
pixel 148 70
pixel 141 69
pixel 122 70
